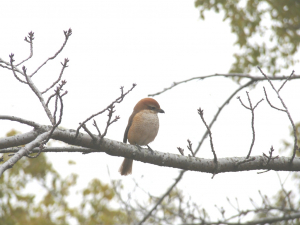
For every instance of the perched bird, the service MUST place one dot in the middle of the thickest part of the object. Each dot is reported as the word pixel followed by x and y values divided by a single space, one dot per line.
pixel 142 128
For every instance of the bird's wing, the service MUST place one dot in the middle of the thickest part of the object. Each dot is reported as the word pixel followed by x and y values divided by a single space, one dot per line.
pixel 128 127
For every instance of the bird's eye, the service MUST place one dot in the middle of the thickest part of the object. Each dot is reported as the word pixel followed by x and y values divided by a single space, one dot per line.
pixel 152 107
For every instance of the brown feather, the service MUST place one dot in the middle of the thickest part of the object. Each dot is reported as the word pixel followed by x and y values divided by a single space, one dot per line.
pixel 128 126
pixel 126 167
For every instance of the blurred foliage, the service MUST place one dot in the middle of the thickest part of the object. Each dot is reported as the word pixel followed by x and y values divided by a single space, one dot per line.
pixel 268 32
pixel 32 192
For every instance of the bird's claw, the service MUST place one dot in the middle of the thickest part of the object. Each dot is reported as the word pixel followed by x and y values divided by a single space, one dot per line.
pixel 150 149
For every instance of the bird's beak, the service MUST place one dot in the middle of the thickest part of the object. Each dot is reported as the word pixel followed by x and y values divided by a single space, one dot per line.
pixel 161 111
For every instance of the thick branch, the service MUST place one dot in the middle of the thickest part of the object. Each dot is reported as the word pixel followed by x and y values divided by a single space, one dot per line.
pixel 22 152
pixel 116 148
pixel 254 222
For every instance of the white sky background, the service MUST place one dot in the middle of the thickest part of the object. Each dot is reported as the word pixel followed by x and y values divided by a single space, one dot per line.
pixel 151 43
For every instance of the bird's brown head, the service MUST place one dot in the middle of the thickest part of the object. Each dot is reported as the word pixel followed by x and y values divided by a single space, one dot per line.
pixel 150 104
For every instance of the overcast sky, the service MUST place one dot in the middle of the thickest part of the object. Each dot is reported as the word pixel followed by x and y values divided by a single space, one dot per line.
pixel 152 44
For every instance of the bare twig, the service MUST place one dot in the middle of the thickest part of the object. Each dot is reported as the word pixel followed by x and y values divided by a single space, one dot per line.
pixel 118 100
pixel 67 35
pixel 190 147
pixel 286 80
pixel 200 112
pixel 162 198
pixel 95 125
pixel 252 78
pixel 109 122
pixel 64 65
pixel 30 41
pixel 286 110
pixel 89 132
pixel 270 102
pixel 251 108
pixel 287 195
pixel 60 86
pixel 270 155
pixel 11 56
pixel 181 150
pixel 20 120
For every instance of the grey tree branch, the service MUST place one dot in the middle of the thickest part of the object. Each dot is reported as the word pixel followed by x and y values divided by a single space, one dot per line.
pixel 22 152
pixel 252 222
pixel 20 120
pixel 252 78
pixel 39 95
pixel 116 148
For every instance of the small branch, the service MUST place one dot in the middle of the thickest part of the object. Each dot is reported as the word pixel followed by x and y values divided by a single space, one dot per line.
pixel 60 75
pixel 89 133
pixel 20 120
pixel 286 110
pixel 22 152
pixel 109 122
pixel 200 112
pixel 287 195
pixel 60 87
pixel 67 35
pixel 95 125
pixel 270 155
pixel 53 128
pixel 69 149
pixel 118 100
pixel 251 108
pixel 190 147
pixel 161 198
pixel 252 78
pixel 30 41
pixel 11 56
pixel 286 80
pixel 181 150
pixel 270 102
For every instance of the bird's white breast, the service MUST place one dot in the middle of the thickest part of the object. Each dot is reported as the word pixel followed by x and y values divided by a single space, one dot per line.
pixel 144 128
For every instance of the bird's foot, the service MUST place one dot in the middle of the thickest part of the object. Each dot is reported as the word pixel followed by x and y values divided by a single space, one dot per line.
pixel 150 149
pixel 139 147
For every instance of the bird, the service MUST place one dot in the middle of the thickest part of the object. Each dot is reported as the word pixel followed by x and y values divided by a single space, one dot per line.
pixel 142 128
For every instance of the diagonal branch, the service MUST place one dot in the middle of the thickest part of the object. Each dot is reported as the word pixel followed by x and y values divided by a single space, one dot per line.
pixel 39 95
